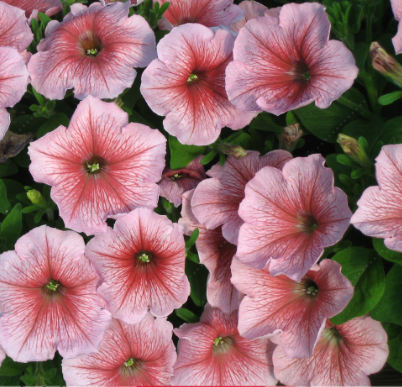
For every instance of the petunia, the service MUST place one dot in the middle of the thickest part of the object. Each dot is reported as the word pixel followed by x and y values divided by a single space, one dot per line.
pixel 285 62
pixel 177 181
pixel 344 356
pixel 141 265
pixel 380 211
pixel 14 79
pixel 298 309
pixel 397 9
pixel 142 354
pixel 33 7
pixel 216 253
pixel 216 201
pixel 48 298
pixel 291 216
pixel 209 13
pixel 187 84
pixel 100 166
pixel 211 353
pixel 93 50
pixel 133 2
pixel 252 9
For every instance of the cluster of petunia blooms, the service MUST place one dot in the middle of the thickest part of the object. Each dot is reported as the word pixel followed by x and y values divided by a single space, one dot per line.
pixel 263 220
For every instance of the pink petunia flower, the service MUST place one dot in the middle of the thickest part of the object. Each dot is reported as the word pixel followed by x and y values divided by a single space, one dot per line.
pixel 344 356
pixel 209 13
pixel 142 354
pixel 33 7
pixel 133 2
pixel 216 201
pixel 291 216
pixel 285 62
pixel 252 9
pixel 177 181
pixel 187 84
pixel 211 353
pixel 93 51
pixel 216 253
pixel 48 298
pixel 380 214
pixel 298 309
pixel 100 167
pixel 141 265
pixel 14 79
pixel 397 9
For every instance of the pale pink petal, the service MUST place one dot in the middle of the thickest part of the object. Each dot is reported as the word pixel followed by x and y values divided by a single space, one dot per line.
pixel 36 323
pixel 216 201
pixel 177 181
pixel 282 63
pixel 278 303
pixel 397 9
pixel 196 109
pixel 206 12
pixel 49 7
pixel 188 221
pixel 130 286
pixel 2 355
pixel 4 122
pixel 236 361
pixel 149 343
pixel 252 9
pixel 64 62
pixel 130 158
pixel 344 356
pixel 291 217
pixel 380 213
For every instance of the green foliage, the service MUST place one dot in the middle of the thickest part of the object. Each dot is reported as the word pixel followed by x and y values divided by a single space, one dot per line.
pixel 152 12
pixel 365 271
pixel 52 123
pixel 181 155
pixel 10 229
pixel 389 255
pixel 395 345
pixel 197 275
pixel 186 315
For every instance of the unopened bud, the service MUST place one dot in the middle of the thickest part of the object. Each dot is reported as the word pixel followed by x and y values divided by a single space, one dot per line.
pixel 291 134
pixel 386 64
pixel 353 149
pixel 36 198
pixel 235 151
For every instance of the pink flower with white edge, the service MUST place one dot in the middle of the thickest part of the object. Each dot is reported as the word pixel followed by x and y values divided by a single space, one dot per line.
pixel 175 182
pixel 48 298
pixel 141 265
pixel 187 84
pixel 93 50
pixel 209 13
pixel 291 216
pixel 33 7
pixel 298 309
pixel 379 213
pixel 14 79
pixel 344 356
pixel 211 353
pixel 142 354
pixel 285 62
pixel 216 201
pixel 100 166
pixel 252 9
pixel 216 253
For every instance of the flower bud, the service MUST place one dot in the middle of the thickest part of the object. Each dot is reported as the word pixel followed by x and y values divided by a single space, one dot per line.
pixel 386 64
pixel 36 198
pixel 235 151
pixel 353 149
pixel 291 134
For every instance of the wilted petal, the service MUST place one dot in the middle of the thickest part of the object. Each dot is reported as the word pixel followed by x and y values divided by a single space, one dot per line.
pixel 252 9
pixel 12 144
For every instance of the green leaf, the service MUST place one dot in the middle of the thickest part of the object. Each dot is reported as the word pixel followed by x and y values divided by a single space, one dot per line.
pixel 265 122
pixel 327 123
pixel 192 256
pixel 386 253
pixel 208 157
pixel 392 133
pixel 52 123
pixel 345 160
pixel 11 368
pixel 363 144
pixel 8 168
pixel 186 315
pixel 29 380
pixel 240 138
pixel 4 203
pixel 27 210
pixel 389 309
pixel 357 173
pixel 197 275
pixel 26 124
pixel 394 333
pixel 193 238
pixel 38 97
pixel 387 99
pixel 338 169
pixel 11 227
pixel 182 155
pixel 49 374
pixel 365 271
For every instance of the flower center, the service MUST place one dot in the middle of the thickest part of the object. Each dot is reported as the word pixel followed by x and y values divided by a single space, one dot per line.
pixel 52 288
pixel 222 344
pixel 308 223
pixel 192 78
pixel 53 285
pixel 177 176
pixel 90 44
pixel 307 76
pixel 94 165
pixel 130 367
pixel 130 362
pixel 332 335
pixel 144 257
pixel 92 52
